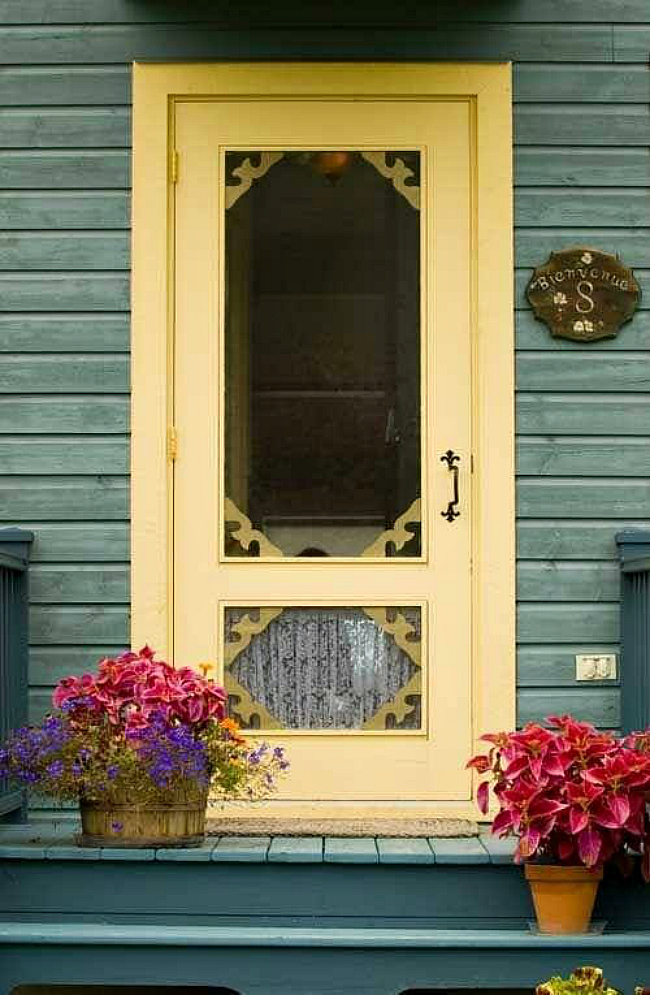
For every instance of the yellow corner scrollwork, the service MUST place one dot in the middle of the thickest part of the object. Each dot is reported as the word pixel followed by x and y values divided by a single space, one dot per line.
pixel 399 707
pixel 399 534
pixel 398 174
pixel 244 630
pixel 247 174
pixel 400 629
pixel 245 534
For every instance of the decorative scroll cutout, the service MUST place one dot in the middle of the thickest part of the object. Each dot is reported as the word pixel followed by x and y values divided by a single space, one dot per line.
pixel 398 174
pixel 399 534
pixel 247 173
pixel 245 629
pixel 399 629
pixel 399 707
pixel 245 534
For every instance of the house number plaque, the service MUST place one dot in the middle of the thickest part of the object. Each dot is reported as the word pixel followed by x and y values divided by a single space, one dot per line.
pixel 582 294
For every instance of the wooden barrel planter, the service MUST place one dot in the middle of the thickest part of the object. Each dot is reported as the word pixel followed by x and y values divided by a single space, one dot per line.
pixel 179 823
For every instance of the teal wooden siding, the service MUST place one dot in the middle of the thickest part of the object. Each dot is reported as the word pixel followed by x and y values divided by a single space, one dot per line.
pixel 582 173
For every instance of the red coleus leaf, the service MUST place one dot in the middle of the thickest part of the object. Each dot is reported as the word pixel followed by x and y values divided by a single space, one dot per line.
pixel 480 763
pixel 602 814
pixel 583 793
pixel 498 738
pixel 555 764
pixel 619 806
pixel 517 766
pixel 528 844
pixel 589 846
pixel 545 826
pixel 483 796
pixel 502 822
pixel 541 808
pixel 578 820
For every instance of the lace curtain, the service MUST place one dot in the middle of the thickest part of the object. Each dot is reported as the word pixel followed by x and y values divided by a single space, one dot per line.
pixel 324 668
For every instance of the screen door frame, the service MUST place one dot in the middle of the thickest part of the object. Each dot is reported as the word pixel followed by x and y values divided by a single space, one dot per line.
pixel 488 88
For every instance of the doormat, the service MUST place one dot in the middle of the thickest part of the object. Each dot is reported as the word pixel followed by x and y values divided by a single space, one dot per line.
pixel 341 827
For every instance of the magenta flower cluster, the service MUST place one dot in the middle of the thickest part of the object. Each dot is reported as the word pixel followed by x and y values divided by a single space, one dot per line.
pixel 133 688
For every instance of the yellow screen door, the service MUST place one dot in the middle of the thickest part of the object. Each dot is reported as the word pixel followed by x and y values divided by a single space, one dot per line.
pixel 322 402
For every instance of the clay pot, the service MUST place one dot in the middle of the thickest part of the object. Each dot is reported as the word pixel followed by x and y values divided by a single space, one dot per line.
pixel 180 823
pixel 563 896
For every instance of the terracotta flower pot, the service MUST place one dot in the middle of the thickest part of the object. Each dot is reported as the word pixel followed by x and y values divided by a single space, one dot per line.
pixel 563 896
pixel 178 823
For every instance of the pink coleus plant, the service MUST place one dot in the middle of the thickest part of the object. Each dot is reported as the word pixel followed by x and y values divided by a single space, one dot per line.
pixel 571 794
pixel 131 688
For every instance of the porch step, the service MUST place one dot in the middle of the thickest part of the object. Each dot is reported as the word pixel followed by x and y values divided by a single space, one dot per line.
pixel 138 934
pixel 306 960
pixel 292 916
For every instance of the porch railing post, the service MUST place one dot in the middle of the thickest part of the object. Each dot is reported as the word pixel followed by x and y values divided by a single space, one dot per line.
pixel 15 547
pixel 634 551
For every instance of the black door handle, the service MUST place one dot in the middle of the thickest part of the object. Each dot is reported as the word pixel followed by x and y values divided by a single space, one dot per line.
pixel 450 458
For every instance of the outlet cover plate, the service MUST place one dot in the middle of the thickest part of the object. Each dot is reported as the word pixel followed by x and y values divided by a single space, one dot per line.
pixel 596 667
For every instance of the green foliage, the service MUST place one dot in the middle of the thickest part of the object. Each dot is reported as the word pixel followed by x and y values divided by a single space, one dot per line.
pixel 583 981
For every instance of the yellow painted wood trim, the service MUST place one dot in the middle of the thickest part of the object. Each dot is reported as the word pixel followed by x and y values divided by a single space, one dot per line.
pixel 494 691
pixel 151 369
pixel 292 809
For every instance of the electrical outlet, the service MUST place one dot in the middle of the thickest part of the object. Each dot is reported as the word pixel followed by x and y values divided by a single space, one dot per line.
pixel 597 667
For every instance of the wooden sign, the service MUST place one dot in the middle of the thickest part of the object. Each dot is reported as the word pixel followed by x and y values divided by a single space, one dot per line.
pixel 583 294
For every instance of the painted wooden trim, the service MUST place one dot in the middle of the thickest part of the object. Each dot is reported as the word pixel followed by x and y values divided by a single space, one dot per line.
pixel 152 397
pixel 494 566
pixel 489 87
pixel 634 552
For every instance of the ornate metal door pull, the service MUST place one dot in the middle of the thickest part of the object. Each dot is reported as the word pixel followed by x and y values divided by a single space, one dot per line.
pixel 450 458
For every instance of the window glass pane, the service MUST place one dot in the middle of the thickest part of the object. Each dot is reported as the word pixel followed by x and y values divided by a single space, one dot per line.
pixel 324 668
pixel 322 352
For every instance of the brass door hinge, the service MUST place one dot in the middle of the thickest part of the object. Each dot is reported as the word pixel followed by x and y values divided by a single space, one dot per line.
pixel 173 166
pixel 172 444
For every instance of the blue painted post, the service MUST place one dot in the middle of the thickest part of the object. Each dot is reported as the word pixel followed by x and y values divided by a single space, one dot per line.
pixel 634 551
pixel 15 545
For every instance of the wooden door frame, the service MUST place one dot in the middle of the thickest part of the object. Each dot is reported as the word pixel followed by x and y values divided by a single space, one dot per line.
pixel 487 88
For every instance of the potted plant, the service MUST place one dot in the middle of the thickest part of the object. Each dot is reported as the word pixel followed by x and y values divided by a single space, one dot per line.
pixel 583 981
pixel 575 798
pixel 141 745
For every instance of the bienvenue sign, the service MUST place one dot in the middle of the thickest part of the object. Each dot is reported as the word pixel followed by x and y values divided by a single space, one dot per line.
pixel 583 294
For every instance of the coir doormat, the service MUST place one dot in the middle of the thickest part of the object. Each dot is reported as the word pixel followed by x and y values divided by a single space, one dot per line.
pixel 341 827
